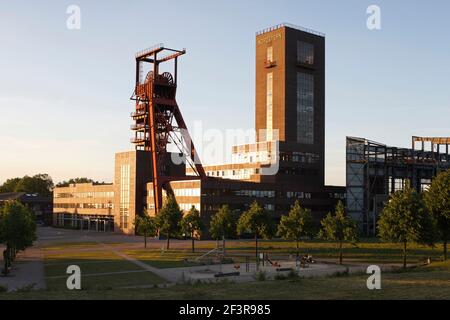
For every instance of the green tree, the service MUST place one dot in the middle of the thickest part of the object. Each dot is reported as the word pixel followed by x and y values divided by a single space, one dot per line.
pixel 17 229
pixel 168 219
pixel 437 200
pixel 223 224
pixel 40 183
pixel 192 224
pixel 340 228
pixel 146 226
pixel 257 221
pixel 9 185
pixel 297 224
pixel 77 180
pixel 405 219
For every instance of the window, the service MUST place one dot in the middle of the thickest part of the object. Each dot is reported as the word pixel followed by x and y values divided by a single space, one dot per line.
pixel 124 195
pixel 270 54
pixel 305 108
pixel 186 207
pixel 305 53
pixel 187 192
pixel 269 112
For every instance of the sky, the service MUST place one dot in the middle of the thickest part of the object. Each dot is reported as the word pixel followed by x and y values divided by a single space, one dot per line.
pixel 65 94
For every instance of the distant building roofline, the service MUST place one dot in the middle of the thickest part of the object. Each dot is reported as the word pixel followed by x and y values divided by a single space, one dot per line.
pixel 22 196
pixel 293 26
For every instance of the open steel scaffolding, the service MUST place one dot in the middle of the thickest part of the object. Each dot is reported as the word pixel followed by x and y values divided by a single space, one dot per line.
pixel 374 171
pixel 158 119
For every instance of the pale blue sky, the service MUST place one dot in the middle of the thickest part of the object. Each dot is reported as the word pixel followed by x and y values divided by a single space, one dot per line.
pixel 64 95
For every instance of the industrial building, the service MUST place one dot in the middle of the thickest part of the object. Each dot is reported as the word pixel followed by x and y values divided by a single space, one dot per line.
pixel 39 204
pixel 375 171
pixel 285 164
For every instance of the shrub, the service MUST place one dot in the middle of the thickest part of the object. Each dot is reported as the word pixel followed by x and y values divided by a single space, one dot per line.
pixel 261 276
pixel 280 276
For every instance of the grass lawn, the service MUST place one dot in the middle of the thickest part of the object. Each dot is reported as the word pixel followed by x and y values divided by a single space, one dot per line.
pixel 421 283
pixel 106 275
pixel 168 259
pixel 106 282
pixel 95 268
pixel 365 251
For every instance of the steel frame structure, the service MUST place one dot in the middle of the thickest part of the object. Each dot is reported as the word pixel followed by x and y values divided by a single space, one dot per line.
pixel 375 170
pixel 158 119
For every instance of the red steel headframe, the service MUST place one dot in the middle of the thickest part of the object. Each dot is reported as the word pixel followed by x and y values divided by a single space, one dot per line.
pixel 156 110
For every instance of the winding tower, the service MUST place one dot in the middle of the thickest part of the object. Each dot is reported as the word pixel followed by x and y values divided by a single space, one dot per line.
pixel 158 121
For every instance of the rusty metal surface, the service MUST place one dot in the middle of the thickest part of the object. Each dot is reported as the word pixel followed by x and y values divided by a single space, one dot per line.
pixel 158 119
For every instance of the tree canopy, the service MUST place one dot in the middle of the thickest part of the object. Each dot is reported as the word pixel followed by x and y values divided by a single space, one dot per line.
pixel 192 224
pixel 39 183
pixel 169 218
pixel 223 224
pixel 17 229
pixel 77 180
pixel 257 221
pixel 146 226
pixel 437 200
pixel 405 219
pixel 17 225
pixel 297 224
pixel 339 227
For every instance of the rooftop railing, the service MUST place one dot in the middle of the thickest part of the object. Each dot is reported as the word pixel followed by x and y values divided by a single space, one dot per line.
pixel 290 25
pixel 149 50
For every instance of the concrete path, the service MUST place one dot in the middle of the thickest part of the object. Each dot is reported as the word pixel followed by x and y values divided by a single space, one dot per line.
pixel 27 271
pixel 160 272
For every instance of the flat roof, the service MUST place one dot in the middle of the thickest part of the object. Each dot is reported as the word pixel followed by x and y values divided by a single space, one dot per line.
pixel 292 26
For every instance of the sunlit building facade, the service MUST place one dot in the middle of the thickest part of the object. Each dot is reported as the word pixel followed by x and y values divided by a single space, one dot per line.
pixel 284 164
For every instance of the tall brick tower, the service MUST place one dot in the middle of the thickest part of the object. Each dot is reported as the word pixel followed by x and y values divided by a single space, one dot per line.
pixel 290 99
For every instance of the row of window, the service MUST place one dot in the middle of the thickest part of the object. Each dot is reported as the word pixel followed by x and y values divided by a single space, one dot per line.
pixel 299 172
pixel 307 195
pixel 300 157
pixel 298 195
pixel 124 196
pixel 305 53
pixel 82 195
pixel 216 207
pixel 183 206
pixel 233 174
pixel 273 194
pixel 84 205
pixel 188 206
pixel 305 108
pixel 252 157
pixel 305 96
pixel 255 193
pixel 269 106
pixel 192 192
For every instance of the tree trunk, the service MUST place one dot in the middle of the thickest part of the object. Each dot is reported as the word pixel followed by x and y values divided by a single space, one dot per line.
pixel 168 241
pixel 223 245
pixel 445 238
pixel 193 245
pixel 404 255
pixel 145 240
pixel 445 249
pixel 5 260
pixel 340 253
pixel 298 253
pixel 256 250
